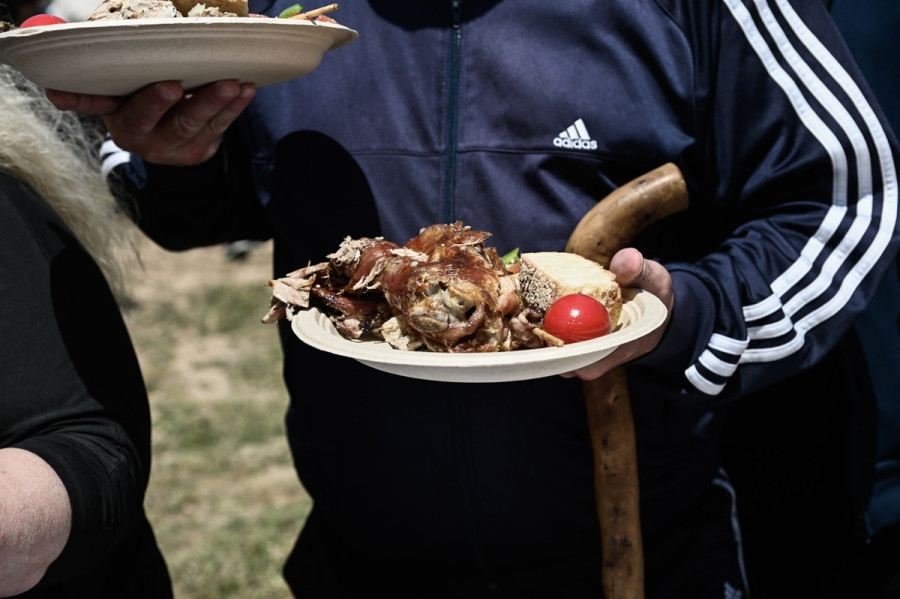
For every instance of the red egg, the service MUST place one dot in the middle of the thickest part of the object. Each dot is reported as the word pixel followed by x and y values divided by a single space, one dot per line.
pixel 577 317
pixel 38 20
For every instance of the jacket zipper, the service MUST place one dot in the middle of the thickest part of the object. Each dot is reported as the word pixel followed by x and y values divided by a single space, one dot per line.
pixel 459 416
pixel 452 114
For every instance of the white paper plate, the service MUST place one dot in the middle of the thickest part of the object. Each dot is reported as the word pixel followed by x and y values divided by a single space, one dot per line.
pixel 118 57
pixel 641 314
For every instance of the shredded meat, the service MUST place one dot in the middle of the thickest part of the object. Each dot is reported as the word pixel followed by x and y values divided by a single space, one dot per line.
pixel 444 289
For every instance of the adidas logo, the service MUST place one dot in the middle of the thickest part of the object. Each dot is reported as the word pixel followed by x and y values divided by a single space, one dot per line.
pixel 575 137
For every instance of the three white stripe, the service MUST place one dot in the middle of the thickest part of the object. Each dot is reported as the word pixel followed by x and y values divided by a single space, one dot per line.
pixel 740 350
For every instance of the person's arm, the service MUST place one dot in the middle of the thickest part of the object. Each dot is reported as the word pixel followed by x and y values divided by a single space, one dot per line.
pixel 171 161
pixel 35 519
pixel 796 150
pixel 163 125
pixel 794 197
pixel 71 395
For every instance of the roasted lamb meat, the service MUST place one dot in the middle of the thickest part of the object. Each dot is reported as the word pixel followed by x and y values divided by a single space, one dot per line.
pixel 444 290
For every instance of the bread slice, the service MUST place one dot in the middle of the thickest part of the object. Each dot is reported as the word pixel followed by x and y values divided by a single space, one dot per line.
pixel 544 277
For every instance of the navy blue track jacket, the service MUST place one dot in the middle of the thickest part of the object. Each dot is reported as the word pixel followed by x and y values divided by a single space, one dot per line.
pixel 516 118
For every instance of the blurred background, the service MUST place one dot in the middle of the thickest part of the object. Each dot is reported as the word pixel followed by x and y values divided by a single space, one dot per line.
pixel 223 498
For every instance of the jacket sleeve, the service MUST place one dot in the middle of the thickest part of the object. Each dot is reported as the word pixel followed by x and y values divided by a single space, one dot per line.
pixel 71 390
pixel 794 152
pixel 186 207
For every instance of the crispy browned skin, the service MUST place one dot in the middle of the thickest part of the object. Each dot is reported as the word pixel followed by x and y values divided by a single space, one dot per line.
pixel 452 297
pixel 449 290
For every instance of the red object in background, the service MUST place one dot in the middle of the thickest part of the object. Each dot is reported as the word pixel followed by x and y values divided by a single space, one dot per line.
pixel 38 20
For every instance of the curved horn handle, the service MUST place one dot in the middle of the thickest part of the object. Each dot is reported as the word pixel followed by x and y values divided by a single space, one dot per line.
pixel 618 218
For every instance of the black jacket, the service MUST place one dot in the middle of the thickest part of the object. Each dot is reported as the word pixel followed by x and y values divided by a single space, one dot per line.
pixel 71 392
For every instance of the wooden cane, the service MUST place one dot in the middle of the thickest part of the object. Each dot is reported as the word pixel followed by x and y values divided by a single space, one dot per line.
pixel 610 226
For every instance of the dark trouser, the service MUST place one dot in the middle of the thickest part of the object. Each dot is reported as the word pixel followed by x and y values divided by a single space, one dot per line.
pixel 790 461
pixel 685 559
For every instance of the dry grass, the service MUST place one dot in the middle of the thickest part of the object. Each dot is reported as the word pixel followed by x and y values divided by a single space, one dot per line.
pixel 223 498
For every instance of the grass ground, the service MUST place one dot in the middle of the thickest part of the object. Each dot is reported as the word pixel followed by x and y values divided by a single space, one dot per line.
pixel 223 497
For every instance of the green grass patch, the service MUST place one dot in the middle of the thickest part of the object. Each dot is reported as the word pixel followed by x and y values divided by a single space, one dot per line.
pixel 224 499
